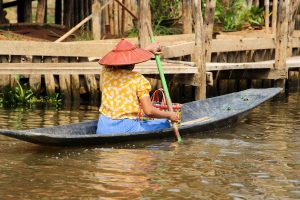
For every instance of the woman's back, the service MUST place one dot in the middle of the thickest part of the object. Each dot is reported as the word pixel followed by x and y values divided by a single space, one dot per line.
pixel 121 90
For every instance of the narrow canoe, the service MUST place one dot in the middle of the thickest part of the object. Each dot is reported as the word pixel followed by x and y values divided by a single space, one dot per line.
pixel 197 116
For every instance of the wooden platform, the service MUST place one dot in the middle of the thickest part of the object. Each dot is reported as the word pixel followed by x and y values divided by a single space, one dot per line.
pixel 89 68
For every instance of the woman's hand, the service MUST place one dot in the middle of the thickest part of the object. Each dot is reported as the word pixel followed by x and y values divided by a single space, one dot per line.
pixel 173 116
pixel 154 48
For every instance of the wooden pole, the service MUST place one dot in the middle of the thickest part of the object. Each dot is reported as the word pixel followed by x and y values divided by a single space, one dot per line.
pixel 294 4
pixel 41 11
pixel 65 82
pixel 267 13
pixel 144 16
pixel 58 9
pixel 35 79
pixel 128 17
pixel 96 19
pixel 187 20
pixel 24 10
pixel 200 92
pixel 4 79
pixel 281 40
pixel 111 19
pixel 116 18
pixel 208 27
pixel 274 16
pixel 49 78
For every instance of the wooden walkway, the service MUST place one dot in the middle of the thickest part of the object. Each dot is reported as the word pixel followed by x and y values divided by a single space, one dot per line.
pixel 89 68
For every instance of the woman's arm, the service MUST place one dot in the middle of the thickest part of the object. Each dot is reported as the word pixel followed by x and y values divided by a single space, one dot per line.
pixel 151 111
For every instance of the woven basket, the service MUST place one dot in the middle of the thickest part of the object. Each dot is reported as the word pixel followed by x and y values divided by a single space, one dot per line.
pixel 158 100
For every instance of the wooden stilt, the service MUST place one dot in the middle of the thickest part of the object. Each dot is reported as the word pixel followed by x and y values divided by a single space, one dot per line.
pixel 91 83
pixel 49 78
pixel 14 59
pixel 4 79
pixel 200 92
pixel 65 83
pixel 35 79
pixel 281 40
pixel 75 83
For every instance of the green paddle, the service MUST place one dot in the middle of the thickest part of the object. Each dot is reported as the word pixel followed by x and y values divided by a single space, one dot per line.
pixel 164 83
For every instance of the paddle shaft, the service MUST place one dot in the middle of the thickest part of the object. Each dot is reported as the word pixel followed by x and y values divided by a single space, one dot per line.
pixel 164 83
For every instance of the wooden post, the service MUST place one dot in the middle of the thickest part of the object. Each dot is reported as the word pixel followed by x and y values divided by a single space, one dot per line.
pixel 116 18
pixel 187 16
pixel 2 17
pixel 127 17
pixel 75 83
pixel 281 40
pixel 14 59
pixel 65 82
pixel 144 16
pixel 24 10
pixel 41 11
pixel 96 10
pixel 111 19
pixel 91 83
pixel 274 16
pixel 200 61
pixel 58 9
pixel 267 13
pixel 4 79
pixel 294 4
pixel 49 79
pixel 35 79
pixel 209 25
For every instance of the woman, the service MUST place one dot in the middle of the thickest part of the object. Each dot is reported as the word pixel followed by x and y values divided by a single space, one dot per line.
pixel 123 91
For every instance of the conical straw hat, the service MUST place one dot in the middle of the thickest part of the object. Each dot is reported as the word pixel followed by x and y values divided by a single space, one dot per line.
pixel 125 53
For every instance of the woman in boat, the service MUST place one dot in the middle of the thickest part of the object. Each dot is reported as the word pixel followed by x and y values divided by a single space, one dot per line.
pixel 123 91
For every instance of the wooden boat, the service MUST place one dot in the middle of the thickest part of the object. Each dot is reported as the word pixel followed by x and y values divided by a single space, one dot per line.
pixel 197 116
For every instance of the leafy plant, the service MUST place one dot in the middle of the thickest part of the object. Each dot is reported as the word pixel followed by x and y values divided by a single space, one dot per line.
pixel 234 15
pixel 20 96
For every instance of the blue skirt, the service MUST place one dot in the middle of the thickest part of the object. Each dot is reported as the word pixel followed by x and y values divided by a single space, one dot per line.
pixel 109 126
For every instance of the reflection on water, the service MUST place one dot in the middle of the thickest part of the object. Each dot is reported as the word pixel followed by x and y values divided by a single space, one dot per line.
pixel 257 158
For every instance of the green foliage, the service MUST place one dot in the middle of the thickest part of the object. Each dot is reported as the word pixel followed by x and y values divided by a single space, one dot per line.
pixel 19 96
pixel 236 15
pixel 163 14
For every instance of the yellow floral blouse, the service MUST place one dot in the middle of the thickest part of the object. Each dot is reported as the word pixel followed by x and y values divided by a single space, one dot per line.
pixel 121 91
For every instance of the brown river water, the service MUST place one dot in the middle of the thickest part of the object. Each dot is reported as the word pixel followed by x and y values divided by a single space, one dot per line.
pixel 257 158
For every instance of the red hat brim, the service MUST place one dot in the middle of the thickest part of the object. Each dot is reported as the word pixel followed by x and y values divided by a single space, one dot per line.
pixel 118 58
